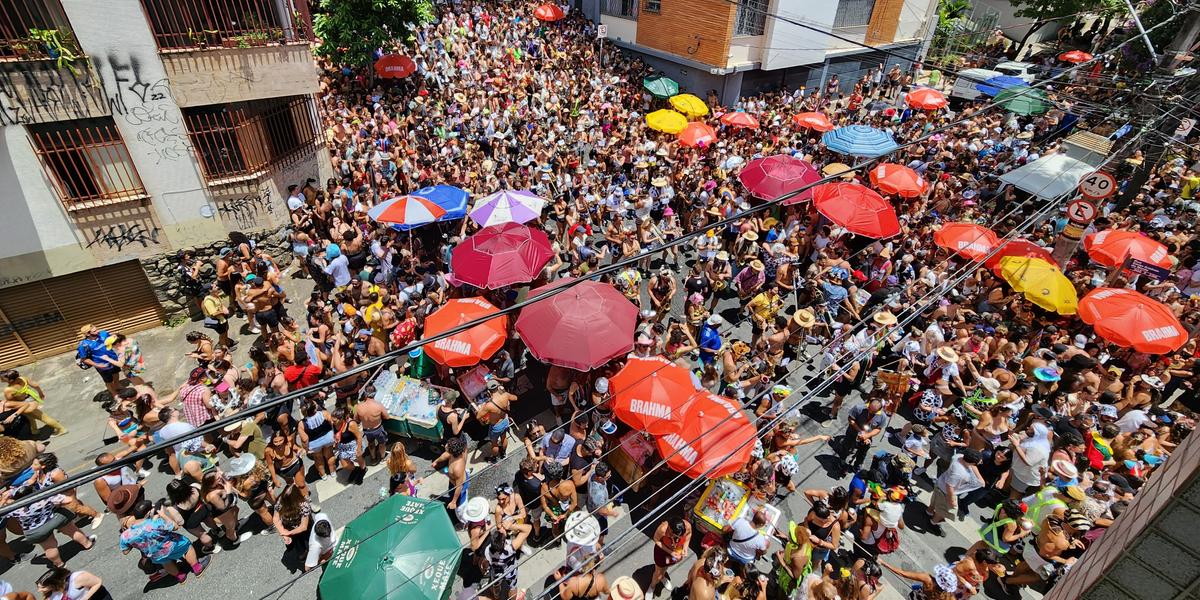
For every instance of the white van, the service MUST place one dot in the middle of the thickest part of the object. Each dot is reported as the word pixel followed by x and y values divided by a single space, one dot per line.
pixel 965 85
pixel 1024 70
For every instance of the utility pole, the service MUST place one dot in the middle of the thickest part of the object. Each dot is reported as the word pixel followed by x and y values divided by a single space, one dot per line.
pixel 1157 142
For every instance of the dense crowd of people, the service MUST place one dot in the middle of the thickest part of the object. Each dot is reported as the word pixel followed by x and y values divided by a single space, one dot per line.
pixel 989 399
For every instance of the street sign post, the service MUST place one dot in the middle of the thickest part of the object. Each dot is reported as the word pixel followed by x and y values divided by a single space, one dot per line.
pixel 1081 211
pixel 601 31
pixel 1098 185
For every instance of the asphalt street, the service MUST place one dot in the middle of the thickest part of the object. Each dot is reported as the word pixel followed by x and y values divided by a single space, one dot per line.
pixel 254 571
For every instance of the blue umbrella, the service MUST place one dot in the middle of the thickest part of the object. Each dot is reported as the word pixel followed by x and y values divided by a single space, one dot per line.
pixel 452 199
pixel 993 85
pixel 859 140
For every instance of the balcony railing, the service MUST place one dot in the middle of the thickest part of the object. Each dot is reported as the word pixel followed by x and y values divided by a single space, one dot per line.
pixel 202 24
pixel 235 141
pixel 36 30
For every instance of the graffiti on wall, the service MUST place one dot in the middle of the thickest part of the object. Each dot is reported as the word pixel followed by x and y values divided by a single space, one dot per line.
pixel 31 92
pixel 248 211
pixel 122 236
pixel 144 103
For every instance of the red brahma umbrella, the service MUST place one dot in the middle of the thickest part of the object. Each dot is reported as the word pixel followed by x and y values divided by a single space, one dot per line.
pixel 1112 246
pixel 773 176
pixel 650 393
pixel 697 134
pixel 926 99
pixel 1019 247
pixel 967 239
pixel 900 180
pixel 715 438
pixel 501 255
pixel 857 208
pixel 740 119
pixel 1131 319
pixel 581 328
pixel 395 66
pixel 470 346
pixel 549 12
pixel 813 120
pixel 1075 56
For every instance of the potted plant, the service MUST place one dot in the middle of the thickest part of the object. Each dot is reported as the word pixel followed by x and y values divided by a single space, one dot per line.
pixel 231 42
pixel 58 46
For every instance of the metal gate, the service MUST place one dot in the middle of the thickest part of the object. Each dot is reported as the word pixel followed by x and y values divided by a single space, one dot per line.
pixel 43 318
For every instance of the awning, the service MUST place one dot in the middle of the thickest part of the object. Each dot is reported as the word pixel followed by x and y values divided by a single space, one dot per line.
pixel 1048 177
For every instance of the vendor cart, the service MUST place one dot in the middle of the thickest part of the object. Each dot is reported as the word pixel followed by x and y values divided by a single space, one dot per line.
pixel 724 501
pixel 411 404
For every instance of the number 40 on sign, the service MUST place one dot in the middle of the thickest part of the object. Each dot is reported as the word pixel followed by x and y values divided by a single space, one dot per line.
pixel 1098 185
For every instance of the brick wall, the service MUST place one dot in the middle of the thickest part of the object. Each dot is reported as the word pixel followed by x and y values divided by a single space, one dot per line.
pixel 694 29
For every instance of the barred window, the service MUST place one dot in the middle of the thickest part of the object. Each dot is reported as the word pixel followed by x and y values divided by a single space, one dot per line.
pixel 35 30
pixel 654 5
pixel 751 17
pixel 853 13
pixel 87 162
pixel 626 9
pixel 198 24
pixel 243 139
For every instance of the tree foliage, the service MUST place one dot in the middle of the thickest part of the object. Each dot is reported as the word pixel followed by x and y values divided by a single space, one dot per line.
pixel 351 30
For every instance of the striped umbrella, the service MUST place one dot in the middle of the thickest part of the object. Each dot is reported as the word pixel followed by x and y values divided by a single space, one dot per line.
pixel 859 140
pixel 508 206
pixel 406 210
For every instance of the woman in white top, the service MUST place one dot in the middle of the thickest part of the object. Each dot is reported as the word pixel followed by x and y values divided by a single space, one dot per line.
pixel 1030 457
pixel 61 584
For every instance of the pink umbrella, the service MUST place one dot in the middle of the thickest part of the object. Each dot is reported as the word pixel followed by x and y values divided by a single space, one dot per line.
pixel 501 255
pixel 579 328
pixel 773 176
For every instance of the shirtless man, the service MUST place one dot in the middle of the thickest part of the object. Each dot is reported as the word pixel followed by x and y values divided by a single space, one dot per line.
pixel 1047 553
pixel 560 382
pixel 706 575
pixel 455 459
pixel 225 268
pixel 493 412
pixel 559 497
pixel 776 338
pixel 371 414
pixel 264 297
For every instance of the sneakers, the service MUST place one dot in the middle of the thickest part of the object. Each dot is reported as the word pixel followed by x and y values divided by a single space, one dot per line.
pixel 59 433
pixel 255 330
pixel 143 473
pixel 96 521
pixel 245 536
pixel 198 568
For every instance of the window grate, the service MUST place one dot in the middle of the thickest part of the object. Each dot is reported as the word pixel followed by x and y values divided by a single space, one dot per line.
pixel 853 13
pixel 87 161
pixel 200 24
pixel 243 139
pixel 26 26
pixel 626 9
pixel 751 17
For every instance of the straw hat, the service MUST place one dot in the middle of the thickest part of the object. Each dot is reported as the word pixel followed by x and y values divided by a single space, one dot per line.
pixel 658 181
pixel 750 235
pixel 241 465
pixel 1006 378
pixel 756 265
pixel 805 318
pixel 947 354
pixel 475 510
pixel 885 318
pixel 990 385
pixel 722 255
pixel 625 588
pixel 236 425
pixel 582 529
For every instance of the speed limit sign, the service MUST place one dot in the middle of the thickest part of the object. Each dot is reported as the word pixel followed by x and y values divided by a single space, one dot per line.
pixel 1081 211
pixel 1098 185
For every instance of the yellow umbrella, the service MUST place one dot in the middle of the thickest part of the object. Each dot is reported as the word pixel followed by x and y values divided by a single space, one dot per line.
pixel 689 105
pixel 1041 282
pixel 666 121
pixel 835 168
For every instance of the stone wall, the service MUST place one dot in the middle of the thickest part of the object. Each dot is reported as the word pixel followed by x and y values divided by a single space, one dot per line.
pixel 164 278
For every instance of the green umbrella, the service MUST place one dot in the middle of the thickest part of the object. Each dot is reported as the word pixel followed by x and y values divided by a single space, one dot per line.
pixel 660 86
pixel 404 547
pixel 1023 100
